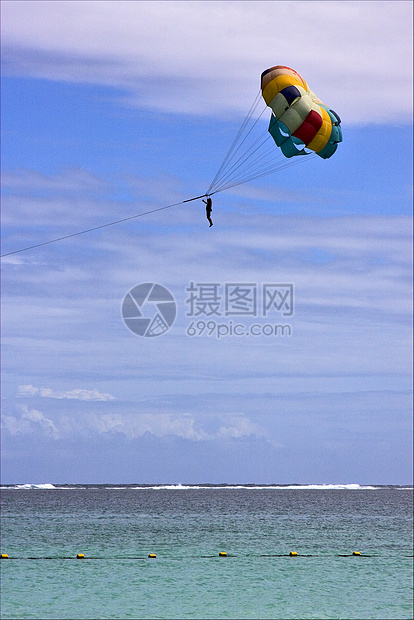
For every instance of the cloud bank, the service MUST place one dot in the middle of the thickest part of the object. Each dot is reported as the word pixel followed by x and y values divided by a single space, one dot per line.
pixel 131 426
pixel 205 58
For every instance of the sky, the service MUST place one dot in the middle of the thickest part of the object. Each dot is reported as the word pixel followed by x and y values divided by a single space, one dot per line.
pixel 286 347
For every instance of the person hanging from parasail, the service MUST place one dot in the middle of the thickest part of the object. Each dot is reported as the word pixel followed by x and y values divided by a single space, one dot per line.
pixel 209 208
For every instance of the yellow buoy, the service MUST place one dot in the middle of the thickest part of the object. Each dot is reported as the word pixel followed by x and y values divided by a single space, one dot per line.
pixel 4 556
pixel 222 554
pixel 292 553
pixel 152 555
pixel 80 556
pixel 356 553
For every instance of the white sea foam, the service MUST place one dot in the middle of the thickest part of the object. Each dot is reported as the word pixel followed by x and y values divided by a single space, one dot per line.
pixel 223 487
pixel 47 485
pixel 181 487
pixel 172 487
pixel 323 487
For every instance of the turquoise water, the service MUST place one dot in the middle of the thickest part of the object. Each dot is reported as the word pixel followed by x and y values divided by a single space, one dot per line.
pixel 116 529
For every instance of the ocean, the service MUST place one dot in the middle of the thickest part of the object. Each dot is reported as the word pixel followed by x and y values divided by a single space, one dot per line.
pixel 117 528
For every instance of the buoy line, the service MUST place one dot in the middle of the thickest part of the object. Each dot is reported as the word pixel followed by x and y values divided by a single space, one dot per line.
pixel 221 554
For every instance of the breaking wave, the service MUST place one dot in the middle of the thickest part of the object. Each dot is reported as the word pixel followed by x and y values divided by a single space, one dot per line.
pixel 217 487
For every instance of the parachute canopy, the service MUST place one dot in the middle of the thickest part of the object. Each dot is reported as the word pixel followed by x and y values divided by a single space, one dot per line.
pixel 300 124
pixel 299 119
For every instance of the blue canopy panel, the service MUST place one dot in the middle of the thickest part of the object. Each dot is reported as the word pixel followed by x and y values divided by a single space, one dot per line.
pixel 292 146
pixel 289 145
pixel 335 137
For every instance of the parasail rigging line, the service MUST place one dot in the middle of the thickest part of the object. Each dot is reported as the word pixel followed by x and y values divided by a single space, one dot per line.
pixel 87 230
pixel 264 172
pixel 258 168
pixel 241 166
pixel 234 163
pixel 230 153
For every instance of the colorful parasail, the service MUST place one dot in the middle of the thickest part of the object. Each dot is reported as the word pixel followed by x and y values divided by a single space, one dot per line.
pixel 299 119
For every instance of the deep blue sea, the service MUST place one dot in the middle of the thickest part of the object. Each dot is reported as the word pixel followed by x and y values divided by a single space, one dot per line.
pixel 44 527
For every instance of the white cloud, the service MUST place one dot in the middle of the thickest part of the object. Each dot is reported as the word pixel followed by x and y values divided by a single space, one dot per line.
pixel 72 181
pixel 30 421
pixel 185 426
pixel 136 425
pixel 239 426
pixel 368 265
pixel 131 425
pixel 206 57
pixel 76 394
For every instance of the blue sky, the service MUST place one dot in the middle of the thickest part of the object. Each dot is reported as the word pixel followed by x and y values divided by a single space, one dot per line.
pixel 112 109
